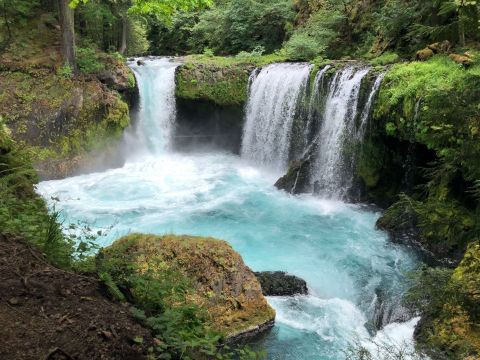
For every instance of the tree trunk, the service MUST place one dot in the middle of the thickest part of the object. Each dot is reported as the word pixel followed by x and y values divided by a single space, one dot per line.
pixel 123 46
pixel 68 33
pixel 461 30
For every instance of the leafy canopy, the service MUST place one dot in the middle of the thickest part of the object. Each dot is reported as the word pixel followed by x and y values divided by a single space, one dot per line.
pixel 162 9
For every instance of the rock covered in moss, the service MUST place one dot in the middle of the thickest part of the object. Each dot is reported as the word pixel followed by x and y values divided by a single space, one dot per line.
pixel 217 83
pixel 468 273
pixel 453 327
pixel 464 60
pixel 424 54
pixel 279 283
pixel 220 282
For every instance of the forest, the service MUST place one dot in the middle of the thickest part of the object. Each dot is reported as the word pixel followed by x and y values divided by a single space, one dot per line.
pixel 365 114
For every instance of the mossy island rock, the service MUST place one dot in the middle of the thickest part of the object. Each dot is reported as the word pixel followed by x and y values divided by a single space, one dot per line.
pixel 214 278
pixel 279 283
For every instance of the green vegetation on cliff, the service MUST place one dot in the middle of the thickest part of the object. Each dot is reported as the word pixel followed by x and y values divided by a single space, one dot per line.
pixel 450 301
pixel 424 145
pixel 56 115
pixel 222 81
pixel 22 212
pixel 435 104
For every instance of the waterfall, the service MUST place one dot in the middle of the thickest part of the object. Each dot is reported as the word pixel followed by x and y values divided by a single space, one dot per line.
pixel 314 98
pixel 368 107
pixel 332 173
pixel 272 105
pixel 156 117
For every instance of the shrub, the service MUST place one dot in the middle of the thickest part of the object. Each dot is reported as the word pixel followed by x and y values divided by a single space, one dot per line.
pixel 302 47
pixel 22 211
pixel 88 60
pixel 257 52
pixel 65 71
pixel 208 52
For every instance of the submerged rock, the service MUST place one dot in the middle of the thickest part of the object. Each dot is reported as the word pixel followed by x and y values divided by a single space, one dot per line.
pixel 279 283
pixel 297 178
pixel 219 281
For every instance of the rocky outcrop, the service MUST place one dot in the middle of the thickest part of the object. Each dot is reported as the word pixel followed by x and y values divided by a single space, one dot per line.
pixel 65 122
pixel 279 283
pixel 222 85
pixel 220 282
pixel 450 321
pixel 221 126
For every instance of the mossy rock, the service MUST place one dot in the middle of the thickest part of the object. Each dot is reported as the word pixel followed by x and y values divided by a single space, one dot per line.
pixel 222 85
pixel 219 281
pixel 454 329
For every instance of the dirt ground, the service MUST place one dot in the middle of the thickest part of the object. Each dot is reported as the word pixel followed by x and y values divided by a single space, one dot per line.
pixel 50 314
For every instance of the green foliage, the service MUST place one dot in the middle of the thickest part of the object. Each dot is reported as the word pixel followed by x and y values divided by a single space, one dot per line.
pixel 12 12
pixel 320 35
pixel 137 43
pixel 443 226
pixel 226 87
pixel 435 103
pixel 208 52
pixel 243 25
pixel 88 60
pixel 257 52
pixel 65 71
pixel 385 59
pixel 22 211
pixel 166 9
pixel 303 47
pixel 450 307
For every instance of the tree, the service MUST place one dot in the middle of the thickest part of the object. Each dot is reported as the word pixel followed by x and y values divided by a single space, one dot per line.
pixel 10 12
pixel 163 10
pixel 68 33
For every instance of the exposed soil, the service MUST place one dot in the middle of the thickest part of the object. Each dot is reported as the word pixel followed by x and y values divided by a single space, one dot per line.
pixel 47 313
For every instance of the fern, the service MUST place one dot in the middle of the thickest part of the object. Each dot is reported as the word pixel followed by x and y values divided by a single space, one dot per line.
pixel 112 287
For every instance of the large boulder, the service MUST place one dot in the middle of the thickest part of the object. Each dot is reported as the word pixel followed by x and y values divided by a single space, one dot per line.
pixel 279 283
pixel 218 279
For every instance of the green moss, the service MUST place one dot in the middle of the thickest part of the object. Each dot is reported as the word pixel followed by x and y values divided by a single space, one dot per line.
pixel 435 103
pixel 185 287
pixel 451 302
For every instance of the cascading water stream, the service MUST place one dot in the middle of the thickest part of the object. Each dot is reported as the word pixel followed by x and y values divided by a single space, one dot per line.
pixel 272 105
pixel 333 246
pixel 368 106
pixel 156 116
pixel 314 99
pixel 332 173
